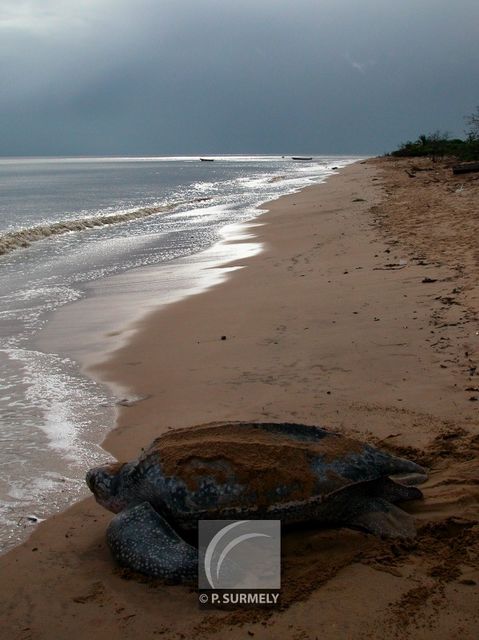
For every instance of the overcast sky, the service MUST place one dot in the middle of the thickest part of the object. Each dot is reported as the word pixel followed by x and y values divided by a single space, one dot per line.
pixel 233 76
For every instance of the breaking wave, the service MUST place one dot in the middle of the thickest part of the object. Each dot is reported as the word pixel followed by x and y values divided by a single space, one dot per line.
pixel 25 237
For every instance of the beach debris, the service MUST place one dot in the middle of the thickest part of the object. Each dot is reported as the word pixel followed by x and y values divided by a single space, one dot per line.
pixel 415 168
pixel 130 402
pixel 223 337
pixel 392 266
pixel 28 520
pixel 449 300
pixel 467 167
pixel 427 280
pixel 33 519
pixel 292 472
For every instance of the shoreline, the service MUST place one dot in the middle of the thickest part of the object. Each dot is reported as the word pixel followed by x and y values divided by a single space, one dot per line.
pixel 320 328
pixel 107 318
pixel 237 243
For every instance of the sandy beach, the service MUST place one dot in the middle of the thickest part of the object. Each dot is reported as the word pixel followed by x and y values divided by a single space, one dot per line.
pixel 360 315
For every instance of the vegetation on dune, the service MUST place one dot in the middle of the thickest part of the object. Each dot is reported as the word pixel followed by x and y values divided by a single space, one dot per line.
pixel 439 144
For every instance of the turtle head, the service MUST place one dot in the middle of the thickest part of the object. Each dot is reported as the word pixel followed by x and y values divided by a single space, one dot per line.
pixel 114 485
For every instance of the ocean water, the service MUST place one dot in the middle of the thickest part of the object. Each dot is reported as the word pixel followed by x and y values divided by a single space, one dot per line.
pixel 66 226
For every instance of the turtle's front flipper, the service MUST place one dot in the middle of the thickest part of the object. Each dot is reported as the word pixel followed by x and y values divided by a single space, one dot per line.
pixel 141 539
pixel 380 517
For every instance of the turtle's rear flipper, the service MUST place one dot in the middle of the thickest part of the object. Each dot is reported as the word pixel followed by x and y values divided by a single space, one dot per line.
pixel 383 519
pixel 141 539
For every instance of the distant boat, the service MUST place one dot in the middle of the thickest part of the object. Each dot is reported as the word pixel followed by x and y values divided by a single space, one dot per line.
pixel 207 159
pixel 302 158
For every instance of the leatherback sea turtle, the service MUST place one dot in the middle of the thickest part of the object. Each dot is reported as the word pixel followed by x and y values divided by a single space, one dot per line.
pixel 291 472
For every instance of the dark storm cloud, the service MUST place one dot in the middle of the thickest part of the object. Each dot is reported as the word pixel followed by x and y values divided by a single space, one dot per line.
pixel 205 76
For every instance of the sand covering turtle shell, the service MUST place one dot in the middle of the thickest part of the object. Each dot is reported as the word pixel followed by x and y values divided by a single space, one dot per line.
pixel 259 459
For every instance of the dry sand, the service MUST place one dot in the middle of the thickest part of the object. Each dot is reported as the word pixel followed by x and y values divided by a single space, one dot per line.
pixel 360 315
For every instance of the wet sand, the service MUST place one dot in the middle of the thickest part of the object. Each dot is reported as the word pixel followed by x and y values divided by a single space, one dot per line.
pixel 361 316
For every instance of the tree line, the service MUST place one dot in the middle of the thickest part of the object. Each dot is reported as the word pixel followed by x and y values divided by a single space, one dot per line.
pixel 440 144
